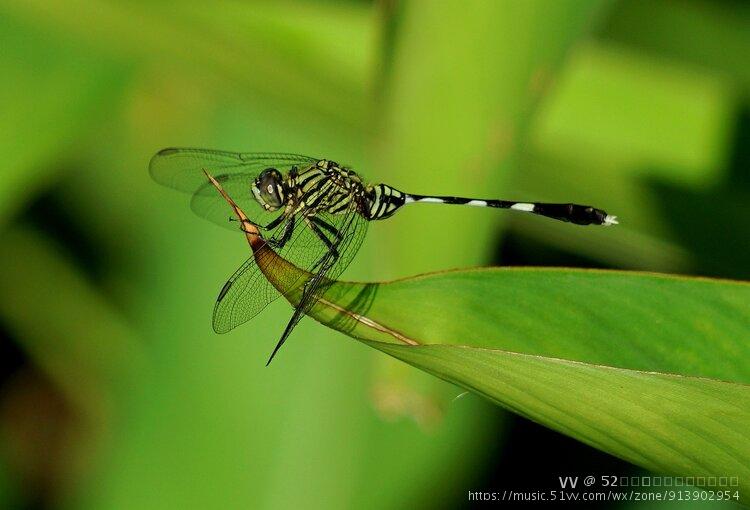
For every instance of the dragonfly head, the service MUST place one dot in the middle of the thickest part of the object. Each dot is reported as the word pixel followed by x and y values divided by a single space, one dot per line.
pixel 268 189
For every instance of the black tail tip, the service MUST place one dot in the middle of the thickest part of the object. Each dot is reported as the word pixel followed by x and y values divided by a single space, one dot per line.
pixel 574 213
pixel 587 215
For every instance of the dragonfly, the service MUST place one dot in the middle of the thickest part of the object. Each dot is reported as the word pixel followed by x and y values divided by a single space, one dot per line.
pixel 311 212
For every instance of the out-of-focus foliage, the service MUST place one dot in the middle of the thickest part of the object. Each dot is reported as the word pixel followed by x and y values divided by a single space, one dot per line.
pixel 116 393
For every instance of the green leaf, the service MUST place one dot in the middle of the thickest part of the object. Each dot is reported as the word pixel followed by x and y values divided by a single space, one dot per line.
pixel 650 368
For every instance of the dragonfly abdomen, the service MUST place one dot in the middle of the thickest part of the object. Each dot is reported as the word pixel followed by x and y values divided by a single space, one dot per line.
pixel 573 213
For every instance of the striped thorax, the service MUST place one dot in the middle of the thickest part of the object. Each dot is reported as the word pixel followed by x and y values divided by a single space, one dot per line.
pixel 325 186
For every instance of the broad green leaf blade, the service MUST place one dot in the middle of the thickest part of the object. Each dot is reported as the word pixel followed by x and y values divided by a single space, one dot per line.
pixel 689 326
pixel 650 368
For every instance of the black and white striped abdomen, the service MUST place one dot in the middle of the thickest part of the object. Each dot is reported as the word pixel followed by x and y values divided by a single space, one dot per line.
pixel 574 213
pixel 383 201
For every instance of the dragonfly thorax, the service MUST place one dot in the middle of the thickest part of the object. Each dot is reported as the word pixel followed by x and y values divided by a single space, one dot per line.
pixel 323 187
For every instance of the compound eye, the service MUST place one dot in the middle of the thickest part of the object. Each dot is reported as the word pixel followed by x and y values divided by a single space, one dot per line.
pixel 268 189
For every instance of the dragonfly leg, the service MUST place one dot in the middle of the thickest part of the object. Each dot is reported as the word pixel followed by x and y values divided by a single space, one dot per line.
pixel 275 223
pixel 315 225
pixel 288 230
pixel 324 224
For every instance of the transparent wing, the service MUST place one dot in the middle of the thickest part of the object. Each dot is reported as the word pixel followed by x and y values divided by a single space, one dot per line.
pixel 182 169
pixel 248 291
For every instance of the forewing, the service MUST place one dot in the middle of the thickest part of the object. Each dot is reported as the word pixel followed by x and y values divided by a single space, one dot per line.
pixel 182 169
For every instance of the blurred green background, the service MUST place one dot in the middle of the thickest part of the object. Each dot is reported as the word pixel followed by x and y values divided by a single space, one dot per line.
pixel 115 392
